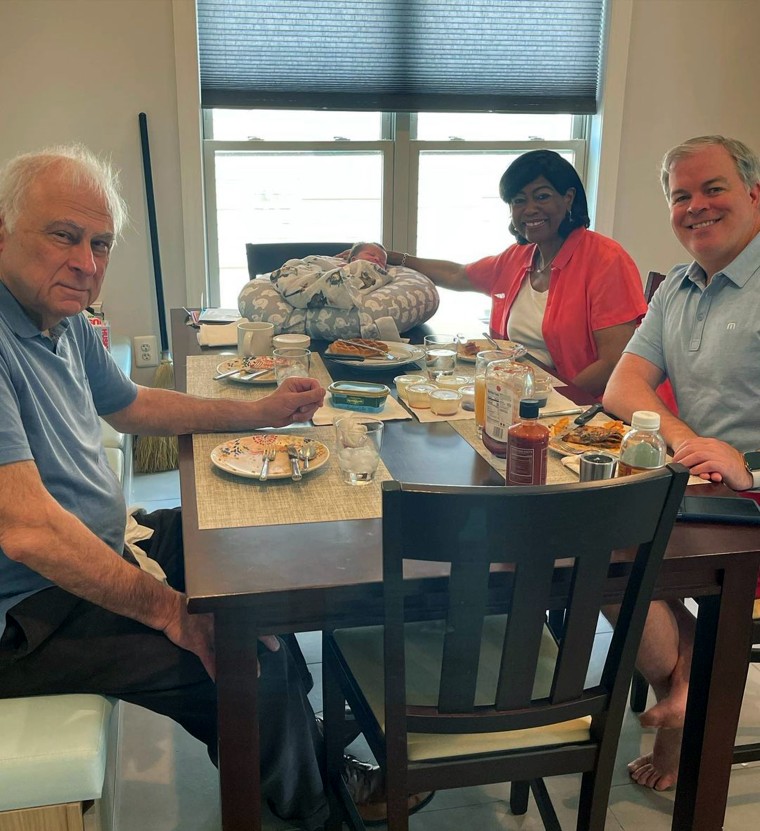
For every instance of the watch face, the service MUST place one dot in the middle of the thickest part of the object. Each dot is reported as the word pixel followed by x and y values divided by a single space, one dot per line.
pixel 753 459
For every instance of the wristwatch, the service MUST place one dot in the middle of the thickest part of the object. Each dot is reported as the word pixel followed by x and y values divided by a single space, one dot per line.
pixel 752 463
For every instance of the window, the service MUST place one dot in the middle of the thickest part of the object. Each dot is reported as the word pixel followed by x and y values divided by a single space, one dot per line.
pixel 424 183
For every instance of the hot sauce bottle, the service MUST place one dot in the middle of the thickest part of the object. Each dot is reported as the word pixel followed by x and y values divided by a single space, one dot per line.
pixel 527 441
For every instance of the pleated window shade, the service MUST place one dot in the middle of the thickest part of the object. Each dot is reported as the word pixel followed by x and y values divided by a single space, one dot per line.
pixel 529 56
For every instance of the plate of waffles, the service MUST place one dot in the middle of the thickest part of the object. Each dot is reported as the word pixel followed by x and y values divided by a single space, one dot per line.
pixel 467 350
pixel 602 435
pixel 373 354
pixel 247 366
pixel 245 456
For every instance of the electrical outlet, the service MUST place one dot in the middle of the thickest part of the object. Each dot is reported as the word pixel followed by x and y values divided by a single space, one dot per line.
pixel 145 349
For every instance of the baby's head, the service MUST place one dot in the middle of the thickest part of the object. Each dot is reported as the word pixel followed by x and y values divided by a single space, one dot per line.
pixel 371 252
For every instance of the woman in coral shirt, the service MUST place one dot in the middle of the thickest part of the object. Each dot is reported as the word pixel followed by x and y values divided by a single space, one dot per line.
pixel 572 296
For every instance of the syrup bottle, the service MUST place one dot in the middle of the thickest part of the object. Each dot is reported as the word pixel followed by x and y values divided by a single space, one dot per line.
pixel 526 447
pixel 507 382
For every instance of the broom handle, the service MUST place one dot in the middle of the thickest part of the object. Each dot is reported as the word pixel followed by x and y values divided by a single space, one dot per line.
pixel 153 226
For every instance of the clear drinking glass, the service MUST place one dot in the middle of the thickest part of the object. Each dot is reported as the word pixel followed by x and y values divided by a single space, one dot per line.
pixel 291 362
pixel 542 387
pixel 358 441
pixel 440 355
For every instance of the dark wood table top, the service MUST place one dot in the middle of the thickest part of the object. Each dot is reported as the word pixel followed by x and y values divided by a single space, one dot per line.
pixel 230 568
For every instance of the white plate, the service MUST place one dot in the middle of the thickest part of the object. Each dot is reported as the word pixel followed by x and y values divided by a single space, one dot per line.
pixel 513 349
pixel 237 363
pixel 244 456
pixel 403 353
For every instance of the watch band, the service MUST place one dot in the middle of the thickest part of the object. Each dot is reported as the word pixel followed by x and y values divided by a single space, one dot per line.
pixel 754 472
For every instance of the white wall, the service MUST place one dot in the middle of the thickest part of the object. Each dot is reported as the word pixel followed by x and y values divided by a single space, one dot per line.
pixel 82 70
pixel 693 69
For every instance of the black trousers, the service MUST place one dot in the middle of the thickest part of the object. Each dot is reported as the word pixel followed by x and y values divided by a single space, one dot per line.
pixel 57 643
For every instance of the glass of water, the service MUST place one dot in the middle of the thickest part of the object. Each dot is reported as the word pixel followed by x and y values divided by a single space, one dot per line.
pixel 358 442
pixel 440 355
pixel 291 362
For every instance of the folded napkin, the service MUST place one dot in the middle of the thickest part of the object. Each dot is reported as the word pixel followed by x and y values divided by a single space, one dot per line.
pixel 393 411
pixel 218 334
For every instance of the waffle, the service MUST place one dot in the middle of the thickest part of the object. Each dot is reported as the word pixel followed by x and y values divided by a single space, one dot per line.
pixel 358 346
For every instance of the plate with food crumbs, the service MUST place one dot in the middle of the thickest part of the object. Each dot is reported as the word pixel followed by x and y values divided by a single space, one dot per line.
pixel 376 354
pixel 245 456
pixel 248 365
pixel 603 436
pixel 467 350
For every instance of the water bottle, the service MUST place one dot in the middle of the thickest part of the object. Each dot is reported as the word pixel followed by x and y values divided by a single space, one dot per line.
pixel 642 447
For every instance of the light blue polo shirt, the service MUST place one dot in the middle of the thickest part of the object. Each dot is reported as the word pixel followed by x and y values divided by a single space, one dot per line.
pixel 707 341
pixel 52 391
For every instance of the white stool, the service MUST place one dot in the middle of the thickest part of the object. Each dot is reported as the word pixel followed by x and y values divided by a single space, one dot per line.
pixel 53 752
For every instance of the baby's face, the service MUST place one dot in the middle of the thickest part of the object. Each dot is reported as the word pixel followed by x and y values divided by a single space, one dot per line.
pixel 373 254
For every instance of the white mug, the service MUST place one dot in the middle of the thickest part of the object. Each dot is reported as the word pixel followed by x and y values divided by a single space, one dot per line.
pixel 254 338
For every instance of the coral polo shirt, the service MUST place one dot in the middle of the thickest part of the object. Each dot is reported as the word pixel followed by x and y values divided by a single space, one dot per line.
pixel 594 284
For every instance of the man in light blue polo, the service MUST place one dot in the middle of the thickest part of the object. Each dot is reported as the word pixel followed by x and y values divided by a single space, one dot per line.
pixel 702 332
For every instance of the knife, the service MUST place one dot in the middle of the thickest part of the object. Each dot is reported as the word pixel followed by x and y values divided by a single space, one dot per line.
pixel 588 414
pixel 552 413
pixel 344 357
pixel 245 376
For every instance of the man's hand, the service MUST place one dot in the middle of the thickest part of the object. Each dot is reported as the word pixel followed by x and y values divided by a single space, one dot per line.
pixel 714 461
pixel 195 633
pixel 296 399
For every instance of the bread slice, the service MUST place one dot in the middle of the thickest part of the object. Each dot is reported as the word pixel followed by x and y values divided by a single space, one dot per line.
pixel 364 347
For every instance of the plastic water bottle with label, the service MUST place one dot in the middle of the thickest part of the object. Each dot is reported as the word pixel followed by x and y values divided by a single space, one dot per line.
pixel 642 447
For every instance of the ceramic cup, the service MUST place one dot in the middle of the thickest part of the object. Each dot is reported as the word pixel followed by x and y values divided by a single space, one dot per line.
pixel 254 338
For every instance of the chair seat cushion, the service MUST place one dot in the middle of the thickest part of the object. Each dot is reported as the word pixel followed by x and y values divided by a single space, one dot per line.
pixel 52 749
pixel 363 651
pixel 409 300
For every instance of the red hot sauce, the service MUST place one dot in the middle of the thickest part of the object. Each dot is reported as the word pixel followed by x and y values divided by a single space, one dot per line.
pixel 527 441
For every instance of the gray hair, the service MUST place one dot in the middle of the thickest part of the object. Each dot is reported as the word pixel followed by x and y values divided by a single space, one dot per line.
pixel 746 161
pixel 75 164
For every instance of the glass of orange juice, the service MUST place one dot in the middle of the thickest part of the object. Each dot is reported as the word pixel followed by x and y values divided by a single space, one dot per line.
pixel 482 359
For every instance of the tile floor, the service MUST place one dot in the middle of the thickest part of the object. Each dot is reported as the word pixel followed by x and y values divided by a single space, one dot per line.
pixel 164 780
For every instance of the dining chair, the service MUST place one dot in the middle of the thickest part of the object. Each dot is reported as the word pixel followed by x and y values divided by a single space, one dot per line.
pixel 264 257
pixel 478 690
pixel 654 280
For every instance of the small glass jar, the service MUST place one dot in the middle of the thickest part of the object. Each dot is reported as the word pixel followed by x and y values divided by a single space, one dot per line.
pixel 445 402
pixel 403 382
pixel 418 395
pixel 451 382
pixel 468 397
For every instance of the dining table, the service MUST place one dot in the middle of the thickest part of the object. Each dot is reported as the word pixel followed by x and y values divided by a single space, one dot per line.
pixel 307 575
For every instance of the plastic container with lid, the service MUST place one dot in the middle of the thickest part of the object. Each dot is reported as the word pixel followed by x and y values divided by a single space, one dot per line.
pixel 507 383
pixel 445 402
pixel 451 382
pixel 642 447
pixel 468 397
pixel 362 396
pixel 291 339
pixel 402 382
pixel 418 395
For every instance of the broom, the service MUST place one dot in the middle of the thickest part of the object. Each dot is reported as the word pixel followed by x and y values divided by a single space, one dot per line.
pixel 156 453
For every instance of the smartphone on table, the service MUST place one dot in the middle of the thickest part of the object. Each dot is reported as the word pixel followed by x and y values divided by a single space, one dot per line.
pixel 733 510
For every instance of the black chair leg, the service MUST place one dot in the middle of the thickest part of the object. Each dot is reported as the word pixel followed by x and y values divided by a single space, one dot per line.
pixel 545 807
pixel 519 793
pixel 639 692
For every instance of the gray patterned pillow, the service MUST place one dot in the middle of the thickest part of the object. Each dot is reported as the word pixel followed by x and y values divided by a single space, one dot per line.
pixel 409 300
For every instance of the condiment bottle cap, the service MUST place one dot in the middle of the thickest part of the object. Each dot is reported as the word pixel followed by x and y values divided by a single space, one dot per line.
pixel 528 408
pixel 645 420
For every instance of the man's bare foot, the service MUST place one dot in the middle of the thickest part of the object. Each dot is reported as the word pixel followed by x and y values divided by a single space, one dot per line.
pixel 668 712
pixel 659 769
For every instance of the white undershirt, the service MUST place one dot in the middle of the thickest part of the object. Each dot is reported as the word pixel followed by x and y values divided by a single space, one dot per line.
pixel 525 319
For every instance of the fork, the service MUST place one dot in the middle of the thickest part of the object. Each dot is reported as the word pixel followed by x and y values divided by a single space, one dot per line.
pixel 294 456
pixel 268 457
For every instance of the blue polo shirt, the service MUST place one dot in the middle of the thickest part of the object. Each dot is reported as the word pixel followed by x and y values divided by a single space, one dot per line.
pixel 706 339
pixel 52 391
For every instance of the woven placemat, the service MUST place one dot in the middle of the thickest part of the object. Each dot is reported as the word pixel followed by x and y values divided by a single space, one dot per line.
pixel 556 472
pixel 202 368
pixel 227 501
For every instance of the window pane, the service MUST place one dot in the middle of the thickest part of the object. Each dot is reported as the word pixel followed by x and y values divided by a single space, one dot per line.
pixel 295 125
pixel 292 197
pixel 493 127
pixel 460 216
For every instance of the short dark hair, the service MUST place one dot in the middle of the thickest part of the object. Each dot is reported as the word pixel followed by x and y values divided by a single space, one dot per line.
pixel 561 175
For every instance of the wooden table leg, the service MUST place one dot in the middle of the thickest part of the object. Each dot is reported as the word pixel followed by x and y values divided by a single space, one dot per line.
pixel 239 775
pixel 716 687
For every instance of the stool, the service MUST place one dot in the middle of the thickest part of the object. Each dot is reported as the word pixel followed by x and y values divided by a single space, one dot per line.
pixel 52 760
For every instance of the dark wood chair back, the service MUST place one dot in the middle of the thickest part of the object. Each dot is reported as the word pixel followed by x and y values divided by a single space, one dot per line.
pixel 654 279
pixel 267 256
